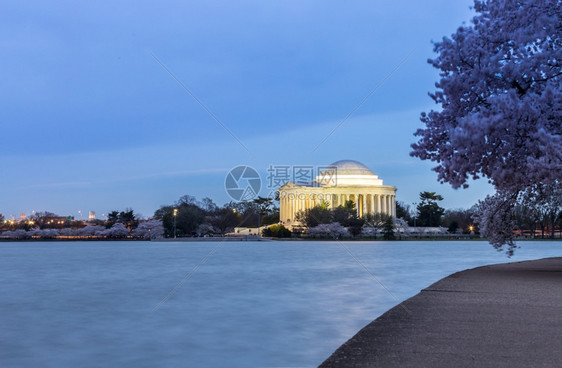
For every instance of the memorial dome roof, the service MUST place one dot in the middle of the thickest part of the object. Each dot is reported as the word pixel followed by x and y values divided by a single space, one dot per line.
pixel 348 173
pixel 351 167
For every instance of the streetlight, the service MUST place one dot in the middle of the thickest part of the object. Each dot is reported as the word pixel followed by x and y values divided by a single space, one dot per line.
pixel 175 214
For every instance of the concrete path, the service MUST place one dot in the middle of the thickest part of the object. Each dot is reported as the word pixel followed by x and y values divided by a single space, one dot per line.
pixel 507 315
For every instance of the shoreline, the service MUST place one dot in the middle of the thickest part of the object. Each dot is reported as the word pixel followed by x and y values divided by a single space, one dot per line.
pixel 497 315
pixel 269 239
pixel 163 240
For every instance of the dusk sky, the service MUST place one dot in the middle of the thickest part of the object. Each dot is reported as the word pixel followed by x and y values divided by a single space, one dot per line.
pixel 92 122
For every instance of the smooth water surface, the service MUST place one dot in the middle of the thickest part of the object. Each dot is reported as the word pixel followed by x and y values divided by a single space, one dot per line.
pixel 230 304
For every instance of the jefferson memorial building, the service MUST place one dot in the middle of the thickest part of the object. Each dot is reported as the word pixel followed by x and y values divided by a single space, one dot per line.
pixel 339 182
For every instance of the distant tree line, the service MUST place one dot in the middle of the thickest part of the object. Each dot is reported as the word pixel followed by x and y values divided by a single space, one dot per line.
pixel 204 217
pixel 538 209
pixel 538 213
pixel 186 216
pixel 48 225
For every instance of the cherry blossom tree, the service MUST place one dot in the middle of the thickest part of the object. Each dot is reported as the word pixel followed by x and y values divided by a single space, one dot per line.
pixel 544 203
pixel 333 230
pixel 150 229
pixel 205 229
pixel 500 114
pixel 89 230
pixel 118 230
pixel 43 233
pixel 16 234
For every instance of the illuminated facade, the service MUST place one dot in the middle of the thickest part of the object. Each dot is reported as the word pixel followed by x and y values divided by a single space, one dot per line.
pixel 342 181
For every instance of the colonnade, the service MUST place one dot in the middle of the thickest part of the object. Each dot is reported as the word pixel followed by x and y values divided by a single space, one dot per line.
pixel 365 203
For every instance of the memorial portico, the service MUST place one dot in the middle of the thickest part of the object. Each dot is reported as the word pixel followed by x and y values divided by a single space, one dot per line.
pixel 349 181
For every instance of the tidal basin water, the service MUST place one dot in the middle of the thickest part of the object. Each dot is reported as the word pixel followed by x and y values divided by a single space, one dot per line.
pixel 230 304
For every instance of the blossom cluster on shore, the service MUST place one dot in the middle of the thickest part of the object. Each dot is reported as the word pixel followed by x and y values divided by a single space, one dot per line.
pixel 149 229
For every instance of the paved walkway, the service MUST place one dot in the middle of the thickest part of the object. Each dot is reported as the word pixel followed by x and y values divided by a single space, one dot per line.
pixel 507 315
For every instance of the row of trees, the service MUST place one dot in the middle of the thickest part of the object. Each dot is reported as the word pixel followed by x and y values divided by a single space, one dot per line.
pixel 146 229
pixel 48 225
pixel 50 220
pixel 189 217
pixel 427 212
pixel 185 217
pixel 536 210
pixel 342 221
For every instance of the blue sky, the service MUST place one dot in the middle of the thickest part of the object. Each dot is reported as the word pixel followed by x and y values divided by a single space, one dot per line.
pixel 91 121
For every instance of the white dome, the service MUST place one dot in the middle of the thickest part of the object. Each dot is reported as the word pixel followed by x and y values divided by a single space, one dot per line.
pixel 348 172
pixel 351 167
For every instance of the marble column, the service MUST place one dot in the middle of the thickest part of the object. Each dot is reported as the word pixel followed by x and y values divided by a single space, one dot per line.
pixel 282 210
pixel 388 205
pixel 361 201
pixel 363 205
pixel 386 209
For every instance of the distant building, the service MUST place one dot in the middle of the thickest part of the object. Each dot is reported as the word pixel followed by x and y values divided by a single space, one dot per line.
pixel 91 216
pixel 342 181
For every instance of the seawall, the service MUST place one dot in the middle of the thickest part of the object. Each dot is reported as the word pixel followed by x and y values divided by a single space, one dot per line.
pixel 505 315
